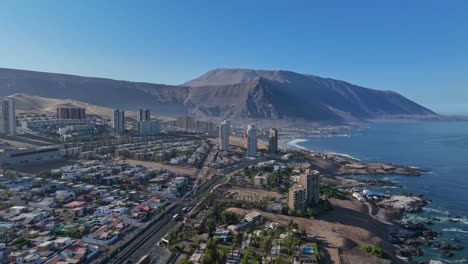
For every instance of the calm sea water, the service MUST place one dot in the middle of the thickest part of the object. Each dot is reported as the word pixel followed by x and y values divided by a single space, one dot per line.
pixel 441 147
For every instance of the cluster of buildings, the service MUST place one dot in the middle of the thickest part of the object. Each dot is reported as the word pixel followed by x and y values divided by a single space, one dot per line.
pixel 305 193
pixel 251 226
pixel 188 123
pixel 65 116
pixel 250 138
pixel 77 211
pixel 146 126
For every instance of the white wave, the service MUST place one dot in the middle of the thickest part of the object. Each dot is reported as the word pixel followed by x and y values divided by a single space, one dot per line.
pixel 344 155
pixel 295 143
pixel 429 209
pixel 454 260
pixel 458 230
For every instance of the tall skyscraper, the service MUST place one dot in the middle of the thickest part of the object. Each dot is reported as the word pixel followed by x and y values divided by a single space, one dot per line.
pixel 273 140
pixel 310 180
pixel 224 132
pixel 71 113
pixel 8 117
pixel 144 115
pixel 118 121
pixel 251 141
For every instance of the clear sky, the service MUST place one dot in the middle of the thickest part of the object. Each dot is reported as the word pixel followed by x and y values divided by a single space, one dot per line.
pixel 417 48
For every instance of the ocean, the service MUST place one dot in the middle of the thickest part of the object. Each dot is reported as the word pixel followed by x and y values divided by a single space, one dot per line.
pixel 440 147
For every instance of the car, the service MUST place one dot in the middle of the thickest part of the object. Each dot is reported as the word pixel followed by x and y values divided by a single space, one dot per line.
pixel 177 217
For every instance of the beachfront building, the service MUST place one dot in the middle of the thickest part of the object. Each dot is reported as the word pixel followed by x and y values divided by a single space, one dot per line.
pixel 273 140
pixel 251 141
pixel 143 115
pixel 8 117
pixel 118 121
pixel 310 180
pixel 224 132
pixel 297 198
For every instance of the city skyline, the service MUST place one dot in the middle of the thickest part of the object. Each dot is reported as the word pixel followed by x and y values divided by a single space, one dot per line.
pixel 416 49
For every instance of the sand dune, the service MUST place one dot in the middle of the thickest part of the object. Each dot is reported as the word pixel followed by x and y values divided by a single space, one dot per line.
pixel 26 103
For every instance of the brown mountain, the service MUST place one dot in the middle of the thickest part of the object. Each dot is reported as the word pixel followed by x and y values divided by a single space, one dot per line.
pixel 284 94
pixel 165 99
pixel 225 93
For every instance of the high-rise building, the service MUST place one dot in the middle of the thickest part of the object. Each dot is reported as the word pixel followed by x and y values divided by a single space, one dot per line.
pixel 71 113
pixel 144 115
pixel 118 121
pixel 251 141
pixel 207 127
pixel 310 180
pixel 149 128
pixel 273 140
pixel 185 122
pixel 224 132
pixel 8 117
pixel 297 198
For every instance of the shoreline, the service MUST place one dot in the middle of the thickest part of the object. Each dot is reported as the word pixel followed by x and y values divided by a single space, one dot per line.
pixel 407 237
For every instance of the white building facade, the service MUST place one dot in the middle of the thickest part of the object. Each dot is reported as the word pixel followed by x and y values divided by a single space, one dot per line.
pixel 251 141
pixel 224 132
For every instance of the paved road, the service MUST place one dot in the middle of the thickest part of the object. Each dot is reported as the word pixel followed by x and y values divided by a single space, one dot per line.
pixel 147 243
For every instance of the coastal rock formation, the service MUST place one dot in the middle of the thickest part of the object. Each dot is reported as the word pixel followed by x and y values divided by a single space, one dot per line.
pixel 405 203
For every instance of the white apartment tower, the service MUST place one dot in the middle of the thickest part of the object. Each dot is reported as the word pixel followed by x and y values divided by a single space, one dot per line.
pixel 251 141
pixel 8 117
pixel 118 121
pixel 224 132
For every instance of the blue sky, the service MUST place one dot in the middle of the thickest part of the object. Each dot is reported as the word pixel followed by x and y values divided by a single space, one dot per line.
pixel 417 48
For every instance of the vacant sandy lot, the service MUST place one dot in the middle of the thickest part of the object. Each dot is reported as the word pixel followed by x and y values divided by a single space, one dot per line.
pixel 253 192
pixel 239 142
pixel 342 231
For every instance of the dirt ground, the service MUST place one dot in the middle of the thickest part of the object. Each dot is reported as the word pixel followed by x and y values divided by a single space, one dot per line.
pixel 342 231
pixel 254 192
pixel 239 142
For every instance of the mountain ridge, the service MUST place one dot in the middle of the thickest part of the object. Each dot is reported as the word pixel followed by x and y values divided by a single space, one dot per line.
pixel 224 93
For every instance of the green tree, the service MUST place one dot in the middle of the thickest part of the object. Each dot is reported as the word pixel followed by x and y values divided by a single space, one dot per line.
pixel 280 260
pixel 374 250
pixel 228 218
pixel 210 225
pixel 285 209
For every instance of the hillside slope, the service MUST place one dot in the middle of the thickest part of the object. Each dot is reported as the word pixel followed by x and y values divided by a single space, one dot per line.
pixel 283 94
pixel 226 93
pixel 26 103
pixel 164 99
